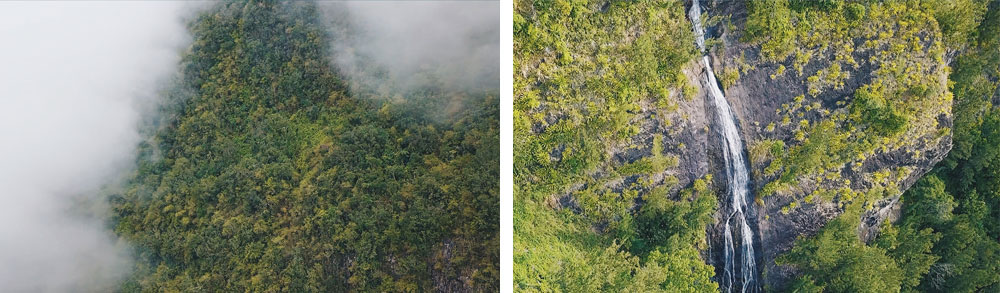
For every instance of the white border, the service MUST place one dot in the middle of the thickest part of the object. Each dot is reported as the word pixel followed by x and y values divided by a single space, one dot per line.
pixel 506 145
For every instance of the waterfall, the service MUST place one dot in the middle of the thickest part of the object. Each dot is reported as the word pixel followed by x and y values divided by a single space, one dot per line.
pixel 740 276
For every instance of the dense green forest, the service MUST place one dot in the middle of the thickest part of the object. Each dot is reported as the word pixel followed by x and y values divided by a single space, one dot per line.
pixel 269 172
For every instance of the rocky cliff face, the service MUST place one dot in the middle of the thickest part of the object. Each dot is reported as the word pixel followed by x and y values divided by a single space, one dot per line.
pixel 686 133
pixel 604 127
pixel 761 100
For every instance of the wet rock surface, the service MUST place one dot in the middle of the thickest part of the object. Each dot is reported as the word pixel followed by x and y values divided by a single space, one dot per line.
pixel 755 98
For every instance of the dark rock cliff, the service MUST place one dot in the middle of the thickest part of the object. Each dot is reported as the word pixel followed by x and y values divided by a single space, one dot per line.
pixel 756 98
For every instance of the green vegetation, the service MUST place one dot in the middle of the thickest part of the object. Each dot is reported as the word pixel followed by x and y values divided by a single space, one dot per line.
pixel 835 260
pixel 770 23
pixel 269 175
pixel 728 77
pixel 877 87
pixel 894 111
pixel 947 237
pixel 958 19
pixel 959 202
pixel 873 110
pixel 584 222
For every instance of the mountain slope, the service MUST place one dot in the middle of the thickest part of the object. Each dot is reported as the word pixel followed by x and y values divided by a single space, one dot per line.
pixel 842 106
pixel 607 195
pixel 269 174
pixel 847 105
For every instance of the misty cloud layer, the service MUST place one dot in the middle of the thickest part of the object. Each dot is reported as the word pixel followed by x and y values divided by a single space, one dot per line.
pixel 77 78
pixel 458 42
pixel 74 77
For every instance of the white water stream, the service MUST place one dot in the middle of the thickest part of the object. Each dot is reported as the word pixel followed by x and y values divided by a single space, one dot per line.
pixel 736 172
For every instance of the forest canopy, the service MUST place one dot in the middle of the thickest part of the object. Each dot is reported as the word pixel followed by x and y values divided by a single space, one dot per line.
pixel 268 173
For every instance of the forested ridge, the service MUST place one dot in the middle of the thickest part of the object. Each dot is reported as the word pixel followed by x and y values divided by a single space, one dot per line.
pixel 269 172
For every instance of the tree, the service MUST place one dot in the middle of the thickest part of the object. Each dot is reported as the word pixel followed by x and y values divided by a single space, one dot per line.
pixel 837 261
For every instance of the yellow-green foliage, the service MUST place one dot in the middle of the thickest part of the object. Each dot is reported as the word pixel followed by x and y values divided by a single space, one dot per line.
pixel 272 177
pixel 900 104
pixel 778 72
pixel 729 77
pixel 831 77
pixel 958 19
pixel 622 54
pixel 770 23
pixel 766 150
pixel 948 218
pixel 730 74
pixel 951 217
pixel 836 260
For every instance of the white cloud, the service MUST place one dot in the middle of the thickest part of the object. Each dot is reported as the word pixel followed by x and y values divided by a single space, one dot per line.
pixel 457 40
pixel 73 78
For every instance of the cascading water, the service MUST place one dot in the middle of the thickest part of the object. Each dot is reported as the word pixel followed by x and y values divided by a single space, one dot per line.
pixel 739 212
